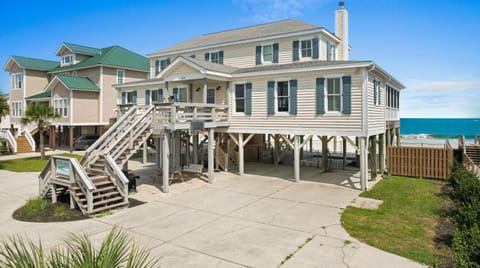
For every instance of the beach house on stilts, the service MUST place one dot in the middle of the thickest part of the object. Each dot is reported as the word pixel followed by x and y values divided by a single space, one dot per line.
pixel 278 84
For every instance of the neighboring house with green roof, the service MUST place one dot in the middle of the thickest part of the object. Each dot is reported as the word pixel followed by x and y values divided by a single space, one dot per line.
pixel 78 86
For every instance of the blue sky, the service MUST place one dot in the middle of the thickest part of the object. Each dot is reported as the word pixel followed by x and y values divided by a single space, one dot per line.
pixel 430 46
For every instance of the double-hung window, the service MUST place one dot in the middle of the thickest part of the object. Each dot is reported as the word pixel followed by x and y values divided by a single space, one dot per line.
pixel 17 109
pixel 215 57
pixel 282 96
pixel 211 96
pixel 68 59
pixel 334 95
pixel 129 97
pixel 306 48
pixel 240 98
pixel 60 106
pixel 17 80
pixel 157 95
pixel 161 64
pixel 120 76
pixel 267 54
pixel 376 92
pixel 180 94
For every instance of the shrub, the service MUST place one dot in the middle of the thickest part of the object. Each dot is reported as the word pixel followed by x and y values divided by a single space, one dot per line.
pixel 466 244
pixel 466 187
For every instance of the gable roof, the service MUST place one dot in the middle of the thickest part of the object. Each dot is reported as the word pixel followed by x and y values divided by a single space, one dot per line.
pixel 111 56
pixel 31 63
pixel 79 49
pixel 207 65
pixel 76 82
pixel 241 34
pixel 42 95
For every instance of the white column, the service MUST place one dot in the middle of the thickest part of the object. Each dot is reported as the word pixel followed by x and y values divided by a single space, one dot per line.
pixel 241 168
pixel 211 132
pixel 165 162
pixel 296 157
pixel 363 163
pixel 144 153
pixel 205 85
pixel 195 148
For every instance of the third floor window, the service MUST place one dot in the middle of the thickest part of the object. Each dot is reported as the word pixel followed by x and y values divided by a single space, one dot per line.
pixel 68 59
pixel 306 48
pixel 120 76
pixel 17 80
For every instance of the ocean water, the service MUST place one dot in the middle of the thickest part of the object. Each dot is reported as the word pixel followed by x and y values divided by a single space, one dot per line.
pixel 439 128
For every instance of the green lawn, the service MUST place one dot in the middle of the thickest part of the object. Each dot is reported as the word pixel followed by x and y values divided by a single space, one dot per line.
pixel 405 224
pixel 31 164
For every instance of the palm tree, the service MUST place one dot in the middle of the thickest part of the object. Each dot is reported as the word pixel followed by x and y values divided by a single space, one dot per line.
pixel 116 250
pixel 39 113
pixel 4 108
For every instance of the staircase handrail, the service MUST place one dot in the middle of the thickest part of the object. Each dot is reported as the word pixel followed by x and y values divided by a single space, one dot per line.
pixel 108 134
pixel 44 177
pixel 117 177
pixel 30 139
pixel 6 134
pixel 133 133
pixel 118 139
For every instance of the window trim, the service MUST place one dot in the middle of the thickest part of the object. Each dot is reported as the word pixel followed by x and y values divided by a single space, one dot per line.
pixel 13 113
pixel 301 57
pixel 122 77
pixel 214 95
pixel 179 86
pixel 14 80
pixel 325 93
pixel 275 91
pixel 217 52
pixel 72 61
pixel 261 54
pixel 63 110
pixel 377 89
pixel 235 98
pixel 126 97
pixel 152 90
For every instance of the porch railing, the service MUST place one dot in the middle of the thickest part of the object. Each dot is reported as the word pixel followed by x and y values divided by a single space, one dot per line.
pixel 30 139
pixel 179 112
pixel 392 114
pixel 8 136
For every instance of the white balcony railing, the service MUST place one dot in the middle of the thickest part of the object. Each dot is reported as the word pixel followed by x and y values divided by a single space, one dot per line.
pixel 5 134
pixel 392 114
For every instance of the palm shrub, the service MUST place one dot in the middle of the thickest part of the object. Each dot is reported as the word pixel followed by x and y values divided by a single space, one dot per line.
pixel 39 113
pixel 116 250
pixel 4 108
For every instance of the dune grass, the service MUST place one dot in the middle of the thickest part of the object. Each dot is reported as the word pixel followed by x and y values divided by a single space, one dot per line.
pixel 406 223
pixel 31 164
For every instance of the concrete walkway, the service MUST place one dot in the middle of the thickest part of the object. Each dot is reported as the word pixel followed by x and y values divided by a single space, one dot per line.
pixel 254 220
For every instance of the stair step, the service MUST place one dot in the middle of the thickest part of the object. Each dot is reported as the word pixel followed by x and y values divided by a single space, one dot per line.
pixel 110 207
pixel 106 201
pixel 109 194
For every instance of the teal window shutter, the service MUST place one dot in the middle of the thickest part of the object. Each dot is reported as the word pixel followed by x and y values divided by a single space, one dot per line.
pixel 320 95
pixel 147 97
pixel 175 94
pixel 295 50
pixel 220 57
pixel 160 95
pixel 248 98
pixel 271 97
pixel 258 55
pixel 293 97
pixel 315 48
pixel 379 94
pixel 207 56
pixel 329 54
pixel 157 67
pixel 134 97
pixel 375 89
pixel 168 61
pixel 275 53
pixel 347 95
pixel 124 97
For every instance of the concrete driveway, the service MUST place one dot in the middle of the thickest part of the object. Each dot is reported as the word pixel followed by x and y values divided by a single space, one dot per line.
pixel 253 221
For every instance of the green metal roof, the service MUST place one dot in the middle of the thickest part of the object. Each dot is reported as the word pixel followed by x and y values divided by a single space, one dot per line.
pixel 35 64
pixel 112 56
pixel 75 82
pixel 83 50
pixel 42 95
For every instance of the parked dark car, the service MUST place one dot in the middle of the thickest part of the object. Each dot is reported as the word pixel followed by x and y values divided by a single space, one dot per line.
pixel 83 142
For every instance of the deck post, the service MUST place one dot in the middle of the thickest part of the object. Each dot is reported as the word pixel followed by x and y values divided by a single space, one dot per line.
pixel 397 133
pixel 363 163
pixel 357 156
pixel 52 138
pixel 211 133
pixel 344 152
pixel 387 136
pixel 205 86
pixel 325 153
pixel 53 189
pixel 381 148
pixel 241 167
pixel 195 148
pixel 70 139
pixel 165 162
pixel 217 147
pixel 335 144
pixel 296 157
pixel 373 157
pixel 144 159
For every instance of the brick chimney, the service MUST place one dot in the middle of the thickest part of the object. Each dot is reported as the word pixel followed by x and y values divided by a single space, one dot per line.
pixel 341 30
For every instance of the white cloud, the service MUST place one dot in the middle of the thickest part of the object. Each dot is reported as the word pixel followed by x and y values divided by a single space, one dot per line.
pixel 442 85
pixel 270 10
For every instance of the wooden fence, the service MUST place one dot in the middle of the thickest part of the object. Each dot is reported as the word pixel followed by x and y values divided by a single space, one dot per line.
pixel 422 162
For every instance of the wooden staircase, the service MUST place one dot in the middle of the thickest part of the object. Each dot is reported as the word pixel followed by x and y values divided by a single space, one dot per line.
pixel 105 196
pixel 226 154
pixel 473 152
pixel 22 145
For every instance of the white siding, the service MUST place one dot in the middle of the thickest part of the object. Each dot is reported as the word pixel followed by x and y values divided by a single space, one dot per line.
pixel 376 113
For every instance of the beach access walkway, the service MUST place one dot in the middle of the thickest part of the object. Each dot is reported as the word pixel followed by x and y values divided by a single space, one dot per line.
pixel 258 220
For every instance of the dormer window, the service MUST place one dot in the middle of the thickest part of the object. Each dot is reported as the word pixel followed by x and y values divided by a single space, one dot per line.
pixel 306 48
pixel 68 59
